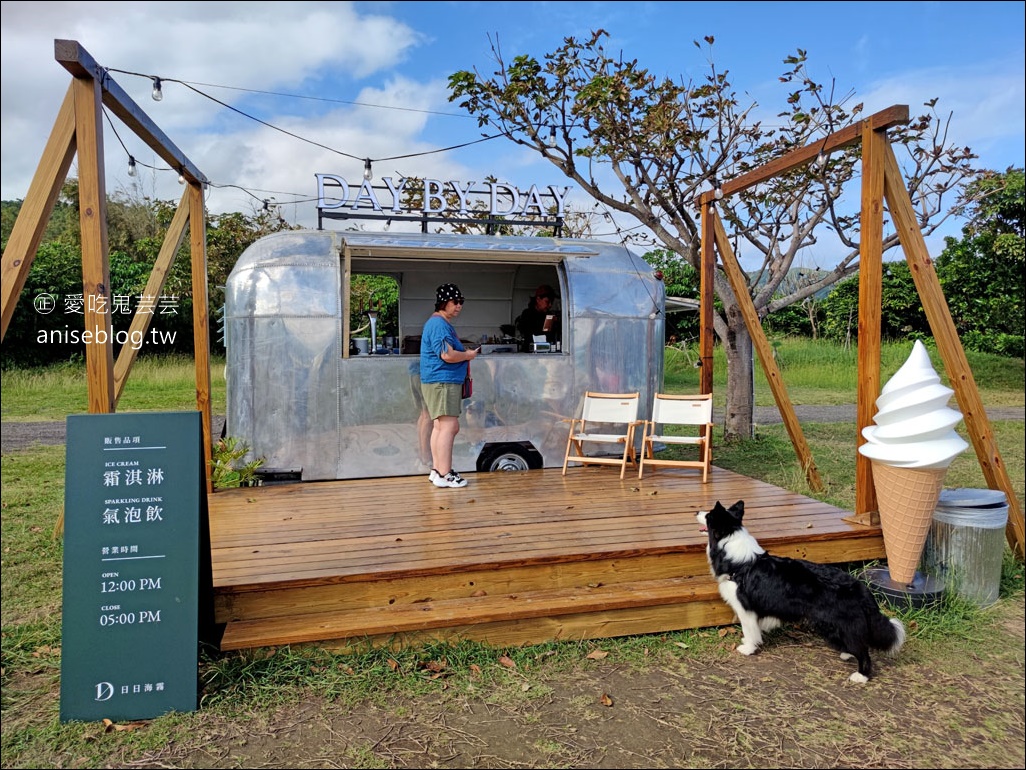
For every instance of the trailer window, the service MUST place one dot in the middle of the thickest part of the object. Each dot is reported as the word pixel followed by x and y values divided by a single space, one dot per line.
pixel 373 310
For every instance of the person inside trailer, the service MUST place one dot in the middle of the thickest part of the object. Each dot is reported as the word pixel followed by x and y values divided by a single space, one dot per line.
pixel 540 317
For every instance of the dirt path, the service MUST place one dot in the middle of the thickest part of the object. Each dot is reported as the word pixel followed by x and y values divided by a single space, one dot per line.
pixel 20 435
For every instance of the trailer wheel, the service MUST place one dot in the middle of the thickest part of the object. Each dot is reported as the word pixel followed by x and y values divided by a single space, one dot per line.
pixel 509 457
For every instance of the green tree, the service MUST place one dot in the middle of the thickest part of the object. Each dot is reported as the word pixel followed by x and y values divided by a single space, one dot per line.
pixel 982 273
pixel 682 283
pixel 646 147
pixel 37 335
pixel 136 229
pixel 901 317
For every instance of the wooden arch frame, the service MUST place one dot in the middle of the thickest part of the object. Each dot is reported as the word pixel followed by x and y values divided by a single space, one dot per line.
pixel 881 183
pixel 78 129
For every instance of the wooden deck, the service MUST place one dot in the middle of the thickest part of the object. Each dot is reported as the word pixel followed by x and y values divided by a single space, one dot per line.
pixel 513 558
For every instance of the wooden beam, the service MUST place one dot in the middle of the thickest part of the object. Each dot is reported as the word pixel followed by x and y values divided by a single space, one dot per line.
pixel 96 294
pixel 880 121
pixel 76 60
pixel 37 207
pixel 874 143
pixel 154 286
pixel 769 365
pixel 950 346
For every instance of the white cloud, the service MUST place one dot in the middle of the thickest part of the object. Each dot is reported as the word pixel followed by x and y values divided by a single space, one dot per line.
pixel 986 100
pixel 341 57
pixel 260 46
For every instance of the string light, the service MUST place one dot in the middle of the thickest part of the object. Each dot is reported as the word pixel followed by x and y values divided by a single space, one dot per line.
pixel 158 95
pixel 717 190
pixel 552 136
pixel 821 158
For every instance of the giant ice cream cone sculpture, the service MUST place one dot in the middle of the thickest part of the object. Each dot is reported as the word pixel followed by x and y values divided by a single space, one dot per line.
pixel 906 498
pixel 911 447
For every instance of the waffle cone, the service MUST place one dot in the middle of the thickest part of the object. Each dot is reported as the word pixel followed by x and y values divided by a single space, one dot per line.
pixel 907 498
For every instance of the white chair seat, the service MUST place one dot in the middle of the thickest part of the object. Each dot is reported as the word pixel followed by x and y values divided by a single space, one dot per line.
pixel 609 438
pixel 685 412
pixel 663 439
pixel 601 415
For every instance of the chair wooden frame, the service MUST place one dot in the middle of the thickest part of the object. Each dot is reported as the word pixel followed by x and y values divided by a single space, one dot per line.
pixel 605 410
pixel 692 410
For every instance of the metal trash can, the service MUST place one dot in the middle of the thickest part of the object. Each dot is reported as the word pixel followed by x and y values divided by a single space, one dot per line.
pixel 965 545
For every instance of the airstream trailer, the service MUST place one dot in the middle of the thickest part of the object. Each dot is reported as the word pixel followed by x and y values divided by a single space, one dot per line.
pixel 320 400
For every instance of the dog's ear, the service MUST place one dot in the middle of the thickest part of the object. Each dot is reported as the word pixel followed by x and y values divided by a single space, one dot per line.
pixel 738 509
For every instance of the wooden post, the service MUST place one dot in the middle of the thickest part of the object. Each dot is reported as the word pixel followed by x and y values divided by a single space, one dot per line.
pixel 870 293
pixel 949 346
pixel 200 322
pixel 96 294
pixel 706 332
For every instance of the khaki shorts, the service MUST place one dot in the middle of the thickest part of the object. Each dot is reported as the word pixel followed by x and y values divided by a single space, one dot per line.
pixel 443 399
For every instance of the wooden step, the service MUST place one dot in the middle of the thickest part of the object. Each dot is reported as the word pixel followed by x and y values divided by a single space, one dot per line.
pixel 468 612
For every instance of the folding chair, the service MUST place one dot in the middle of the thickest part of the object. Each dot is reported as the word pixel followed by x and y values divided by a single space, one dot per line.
pixel 606 418
pixel 694 411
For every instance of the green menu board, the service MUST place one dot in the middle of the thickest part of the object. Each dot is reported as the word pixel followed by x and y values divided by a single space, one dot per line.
pixel 133 487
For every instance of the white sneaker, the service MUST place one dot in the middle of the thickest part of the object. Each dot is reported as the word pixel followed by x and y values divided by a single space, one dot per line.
pixel 434 476
pixel 451 479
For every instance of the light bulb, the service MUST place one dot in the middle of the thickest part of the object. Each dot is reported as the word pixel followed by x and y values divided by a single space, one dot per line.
pixel 821 159
pixel 131 166
pixel 157 93
pixel 181 178
pixel 552 136
pixel 718 193
pixel 367 169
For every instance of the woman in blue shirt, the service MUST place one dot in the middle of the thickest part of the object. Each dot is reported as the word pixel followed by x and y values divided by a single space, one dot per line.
pixel 443 367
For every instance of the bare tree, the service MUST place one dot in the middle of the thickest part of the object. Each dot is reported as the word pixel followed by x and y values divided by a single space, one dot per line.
pixel 647 148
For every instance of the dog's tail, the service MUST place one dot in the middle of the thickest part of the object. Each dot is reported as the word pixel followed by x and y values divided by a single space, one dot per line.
pixel 888 634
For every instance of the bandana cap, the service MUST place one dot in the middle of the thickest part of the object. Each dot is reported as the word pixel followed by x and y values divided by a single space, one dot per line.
pixel 447 292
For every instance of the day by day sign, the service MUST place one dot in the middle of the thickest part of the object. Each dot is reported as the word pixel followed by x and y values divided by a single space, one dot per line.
pixel 133 485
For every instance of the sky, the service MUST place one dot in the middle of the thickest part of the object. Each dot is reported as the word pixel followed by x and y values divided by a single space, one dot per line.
pixel 337 82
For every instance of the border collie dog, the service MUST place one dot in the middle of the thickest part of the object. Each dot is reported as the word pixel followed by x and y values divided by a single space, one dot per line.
pixel 766 591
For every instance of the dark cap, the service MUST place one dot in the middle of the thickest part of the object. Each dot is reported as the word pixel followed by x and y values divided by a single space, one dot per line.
pixel 447 292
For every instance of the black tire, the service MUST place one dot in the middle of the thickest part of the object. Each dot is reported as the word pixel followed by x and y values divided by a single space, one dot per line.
pixel 509 457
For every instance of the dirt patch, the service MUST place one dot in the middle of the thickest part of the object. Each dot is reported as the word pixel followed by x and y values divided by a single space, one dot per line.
pixel 21 435
pixel 789 706
pixel 17 435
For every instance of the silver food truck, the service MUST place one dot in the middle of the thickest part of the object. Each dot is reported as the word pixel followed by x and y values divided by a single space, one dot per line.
pixel 318 401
